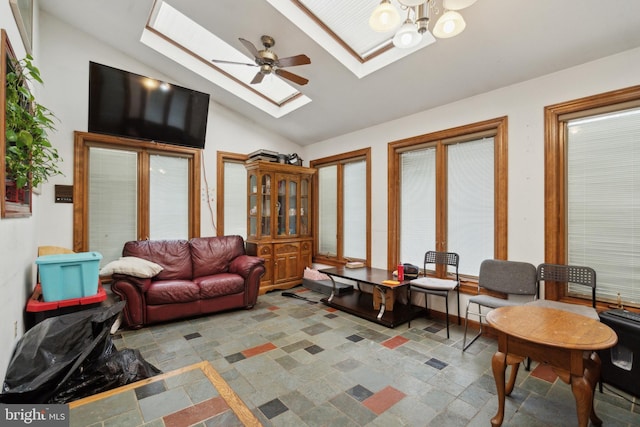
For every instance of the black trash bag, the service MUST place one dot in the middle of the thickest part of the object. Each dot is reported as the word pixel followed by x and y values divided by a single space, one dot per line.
pixel 67 351
pixel 108 372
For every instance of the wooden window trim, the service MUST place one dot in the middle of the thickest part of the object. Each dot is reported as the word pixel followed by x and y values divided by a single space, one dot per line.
pixel 555 175
pixel 341 159
pixel 84 140
pixel 222 158
pixel 498 128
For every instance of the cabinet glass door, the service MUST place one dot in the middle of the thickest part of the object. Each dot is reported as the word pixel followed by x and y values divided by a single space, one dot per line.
pixel 265 221
pixel 292 208
pixel 281 206
pixel 304 207
pixel 253 205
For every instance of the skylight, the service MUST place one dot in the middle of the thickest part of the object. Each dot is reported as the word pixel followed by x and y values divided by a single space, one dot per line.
pixel 179 38
pixel 342 29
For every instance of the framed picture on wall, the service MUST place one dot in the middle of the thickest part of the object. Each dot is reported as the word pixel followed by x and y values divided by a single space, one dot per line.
pixel 23 14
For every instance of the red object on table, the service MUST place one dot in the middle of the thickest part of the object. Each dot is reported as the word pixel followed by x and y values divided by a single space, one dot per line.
pixel 36 304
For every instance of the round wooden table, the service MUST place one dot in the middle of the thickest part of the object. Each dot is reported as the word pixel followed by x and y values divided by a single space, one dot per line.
pixel 566 341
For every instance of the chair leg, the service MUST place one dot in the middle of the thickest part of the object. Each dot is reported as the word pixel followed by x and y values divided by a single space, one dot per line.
pixel 409 305
pixel 466 325
pixel 458 292
pixel 446 305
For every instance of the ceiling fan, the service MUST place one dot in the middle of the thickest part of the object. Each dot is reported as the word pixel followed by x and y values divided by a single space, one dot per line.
pixel 269 62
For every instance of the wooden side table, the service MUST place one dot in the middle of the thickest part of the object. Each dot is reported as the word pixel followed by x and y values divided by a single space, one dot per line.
pixel 565 341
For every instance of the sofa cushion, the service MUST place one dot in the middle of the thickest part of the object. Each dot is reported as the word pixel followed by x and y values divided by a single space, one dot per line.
pixel 220 285
pixel 173 255
pixel 172 291
pixel 212 255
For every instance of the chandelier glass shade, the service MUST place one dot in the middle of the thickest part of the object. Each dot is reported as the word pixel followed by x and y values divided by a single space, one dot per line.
pixel 407 36
pixel 450 24
pixel 411 3
pixel 386 17
pixel 457 4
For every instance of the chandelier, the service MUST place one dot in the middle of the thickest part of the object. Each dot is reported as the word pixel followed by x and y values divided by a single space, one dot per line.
pixel 386 17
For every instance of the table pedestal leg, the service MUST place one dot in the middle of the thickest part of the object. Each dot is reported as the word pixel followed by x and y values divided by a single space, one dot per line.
pixel 582 393
pixel 499 365
pixel 333 289
pixel 383 300
pixel 592 374
pixel 515 366
pixel 583 388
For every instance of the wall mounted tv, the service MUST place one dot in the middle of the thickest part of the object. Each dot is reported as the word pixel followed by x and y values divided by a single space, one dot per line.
pixel 130 105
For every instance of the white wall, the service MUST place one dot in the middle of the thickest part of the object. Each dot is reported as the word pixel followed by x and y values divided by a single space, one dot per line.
pixel 524 105
pixel 18 245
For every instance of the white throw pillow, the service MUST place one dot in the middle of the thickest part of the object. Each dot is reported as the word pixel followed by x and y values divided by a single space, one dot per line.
pixel 133 266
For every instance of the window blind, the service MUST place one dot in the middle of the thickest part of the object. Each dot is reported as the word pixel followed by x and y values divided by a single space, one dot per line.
pixel 168 197
pixel 355 210
pixel 603 175
pixel 113 201
pixel 235 199
pixel 328 210
pixel 417 204
pixel 470 203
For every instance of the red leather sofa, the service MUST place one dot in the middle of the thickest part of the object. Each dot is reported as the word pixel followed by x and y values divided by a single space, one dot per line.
pixel 200 276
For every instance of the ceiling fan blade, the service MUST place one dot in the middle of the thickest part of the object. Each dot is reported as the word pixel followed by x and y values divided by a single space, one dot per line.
pixel 221 61
pixel 292 61
pixel 250 47
pixel 257 78
pixel 293 77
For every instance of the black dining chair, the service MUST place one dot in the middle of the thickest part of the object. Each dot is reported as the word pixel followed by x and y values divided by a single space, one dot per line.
pixel 435 286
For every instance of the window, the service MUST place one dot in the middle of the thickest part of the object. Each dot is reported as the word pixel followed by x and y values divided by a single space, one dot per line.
pixel 132 190
pixel 231 194
pixel 448 192
pixel 592 192
pixel 342 208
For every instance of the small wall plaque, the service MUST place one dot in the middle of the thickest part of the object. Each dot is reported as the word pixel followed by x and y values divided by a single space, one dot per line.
pixel 64 194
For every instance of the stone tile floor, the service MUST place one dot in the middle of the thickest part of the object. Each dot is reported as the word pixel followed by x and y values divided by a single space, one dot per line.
pixel 297 363
pixel 182 397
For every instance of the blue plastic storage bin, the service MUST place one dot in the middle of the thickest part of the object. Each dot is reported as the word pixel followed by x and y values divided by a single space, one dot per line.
pixel 67 276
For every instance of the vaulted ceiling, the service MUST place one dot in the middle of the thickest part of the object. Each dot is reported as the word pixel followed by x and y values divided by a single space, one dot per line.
pixel 505 42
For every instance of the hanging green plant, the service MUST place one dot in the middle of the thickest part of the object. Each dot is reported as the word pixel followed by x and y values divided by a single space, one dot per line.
pixel 29 153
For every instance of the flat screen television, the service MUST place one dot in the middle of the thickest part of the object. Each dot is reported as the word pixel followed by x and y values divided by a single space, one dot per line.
pixel 130 105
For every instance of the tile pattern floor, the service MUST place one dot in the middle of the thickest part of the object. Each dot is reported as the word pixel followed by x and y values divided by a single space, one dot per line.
pixel 300 363
pixel 180 398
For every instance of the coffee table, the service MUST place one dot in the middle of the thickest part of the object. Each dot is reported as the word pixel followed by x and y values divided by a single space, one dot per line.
pixel 360 303
pixel 566 341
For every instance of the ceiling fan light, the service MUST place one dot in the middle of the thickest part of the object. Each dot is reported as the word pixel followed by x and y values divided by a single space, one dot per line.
pixel 407 36
pixel 457 4
pixel 449 24
pixel 385 17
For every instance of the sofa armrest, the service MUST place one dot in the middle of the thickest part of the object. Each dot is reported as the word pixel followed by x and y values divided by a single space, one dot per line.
pixel 131 290
pixel 252 269
pixel 141 283
pixel 243 265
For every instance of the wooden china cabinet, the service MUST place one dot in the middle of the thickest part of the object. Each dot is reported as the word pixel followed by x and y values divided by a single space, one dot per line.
pixel 279 221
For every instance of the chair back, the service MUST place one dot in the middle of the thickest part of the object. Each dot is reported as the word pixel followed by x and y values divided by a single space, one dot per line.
pixel 565 274
pixel 509 277
pixel 442 258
